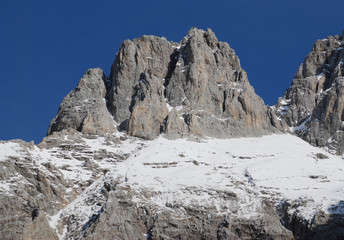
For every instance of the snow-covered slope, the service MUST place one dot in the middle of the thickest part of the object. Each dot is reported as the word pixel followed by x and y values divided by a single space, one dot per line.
pixel 277 167
pixel 230 176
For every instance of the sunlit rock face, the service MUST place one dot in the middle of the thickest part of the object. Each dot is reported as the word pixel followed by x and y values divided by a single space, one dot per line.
pixel 193 87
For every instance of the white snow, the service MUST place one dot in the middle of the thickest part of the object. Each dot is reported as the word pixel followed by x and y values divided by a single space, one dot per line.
pixel 169 107
pixel 81 209
pixel 302 127
pixel 284 106
pixel 285 101
pixel 319 76
pixel 176 47
pixel 283 165
pixel 178 108
pixel 9 149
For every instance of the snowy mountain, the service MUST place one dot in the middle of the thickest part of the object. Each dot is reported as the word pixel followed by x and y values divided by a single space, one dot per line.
pixel 175 144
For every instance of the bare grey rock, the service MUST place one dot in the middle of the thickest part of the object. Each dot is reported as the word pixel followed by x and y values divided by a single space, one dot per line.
pixel 201 78
pixel 329 226
pixel 137 76
pixel 34 191
pixel 84 109
pixel 313 105
pixel 149 110
pixel 123 218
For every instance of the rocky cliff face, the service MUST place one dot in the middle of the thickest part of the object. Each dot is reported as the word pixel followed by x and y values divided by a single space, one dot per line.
pixel 195 87
pixel 313 105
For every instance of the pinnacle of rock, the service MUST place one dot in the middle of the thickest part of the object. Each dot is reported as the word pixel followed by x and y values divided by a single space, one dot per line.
pixel 84 109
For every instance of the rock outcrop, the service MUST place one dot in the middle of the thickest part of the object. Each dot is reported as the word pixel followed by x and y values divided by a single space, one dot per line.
pixel 195 87
pixel 84 109
pixel 313 105
pixel 323 225
pixel 34 190
pixel 124 219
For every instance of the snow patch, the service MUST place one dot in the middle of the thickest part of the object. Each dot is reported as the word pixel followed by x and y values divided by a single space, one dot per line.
pixel 319 76
pixel 302 127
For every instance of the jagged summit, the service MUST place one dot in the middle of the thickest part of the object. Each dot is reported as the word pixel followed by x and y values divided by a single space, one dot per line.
pixel 195 87
pixel 313 105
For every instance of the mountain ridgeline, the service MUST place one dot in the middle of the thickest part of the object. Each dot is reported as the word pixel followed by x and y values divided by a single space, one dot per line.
pixel 196 87
pixel 313 105
pixel 95 175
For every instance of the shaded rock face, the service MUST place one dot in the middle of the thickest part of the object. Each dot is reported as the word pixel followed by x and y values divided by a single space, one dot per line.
pixel 313 105
pixel 122 218
pixel 84 109
pixel 194 87
pixel 322 226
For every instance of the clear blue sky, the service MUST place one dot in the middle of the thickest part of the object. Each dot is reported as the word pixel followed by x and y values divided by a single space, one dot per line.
pixel 46 46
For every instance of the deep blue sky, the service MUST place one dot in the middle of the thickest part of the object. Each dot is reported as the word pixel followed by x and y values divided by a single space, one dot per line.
pixel 46 46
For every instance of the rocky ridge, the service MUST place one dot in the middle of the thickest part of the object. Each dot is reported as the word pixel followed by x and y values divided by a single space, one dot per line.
pixel 195 87
pixel 313 105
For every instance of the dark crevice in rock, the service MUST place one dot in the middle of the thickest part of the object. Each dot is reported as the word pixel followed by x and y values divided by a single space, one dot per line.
pixel 171 68
pixel 34 213
pixel 123 126
pixel 91 221
pixel 79 128
pixel 224 101
pixel 163 125
pixel 149 234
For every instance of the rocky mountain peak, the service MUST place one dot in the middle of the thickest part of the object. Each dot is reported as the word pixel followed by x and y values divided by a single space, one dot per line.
pixel 313 105
pixel 194 87
pixel 84 109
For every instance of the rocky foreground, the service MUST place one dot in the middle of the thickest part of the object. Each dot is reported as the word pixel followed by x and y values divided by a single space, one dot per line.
pixel 175 144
